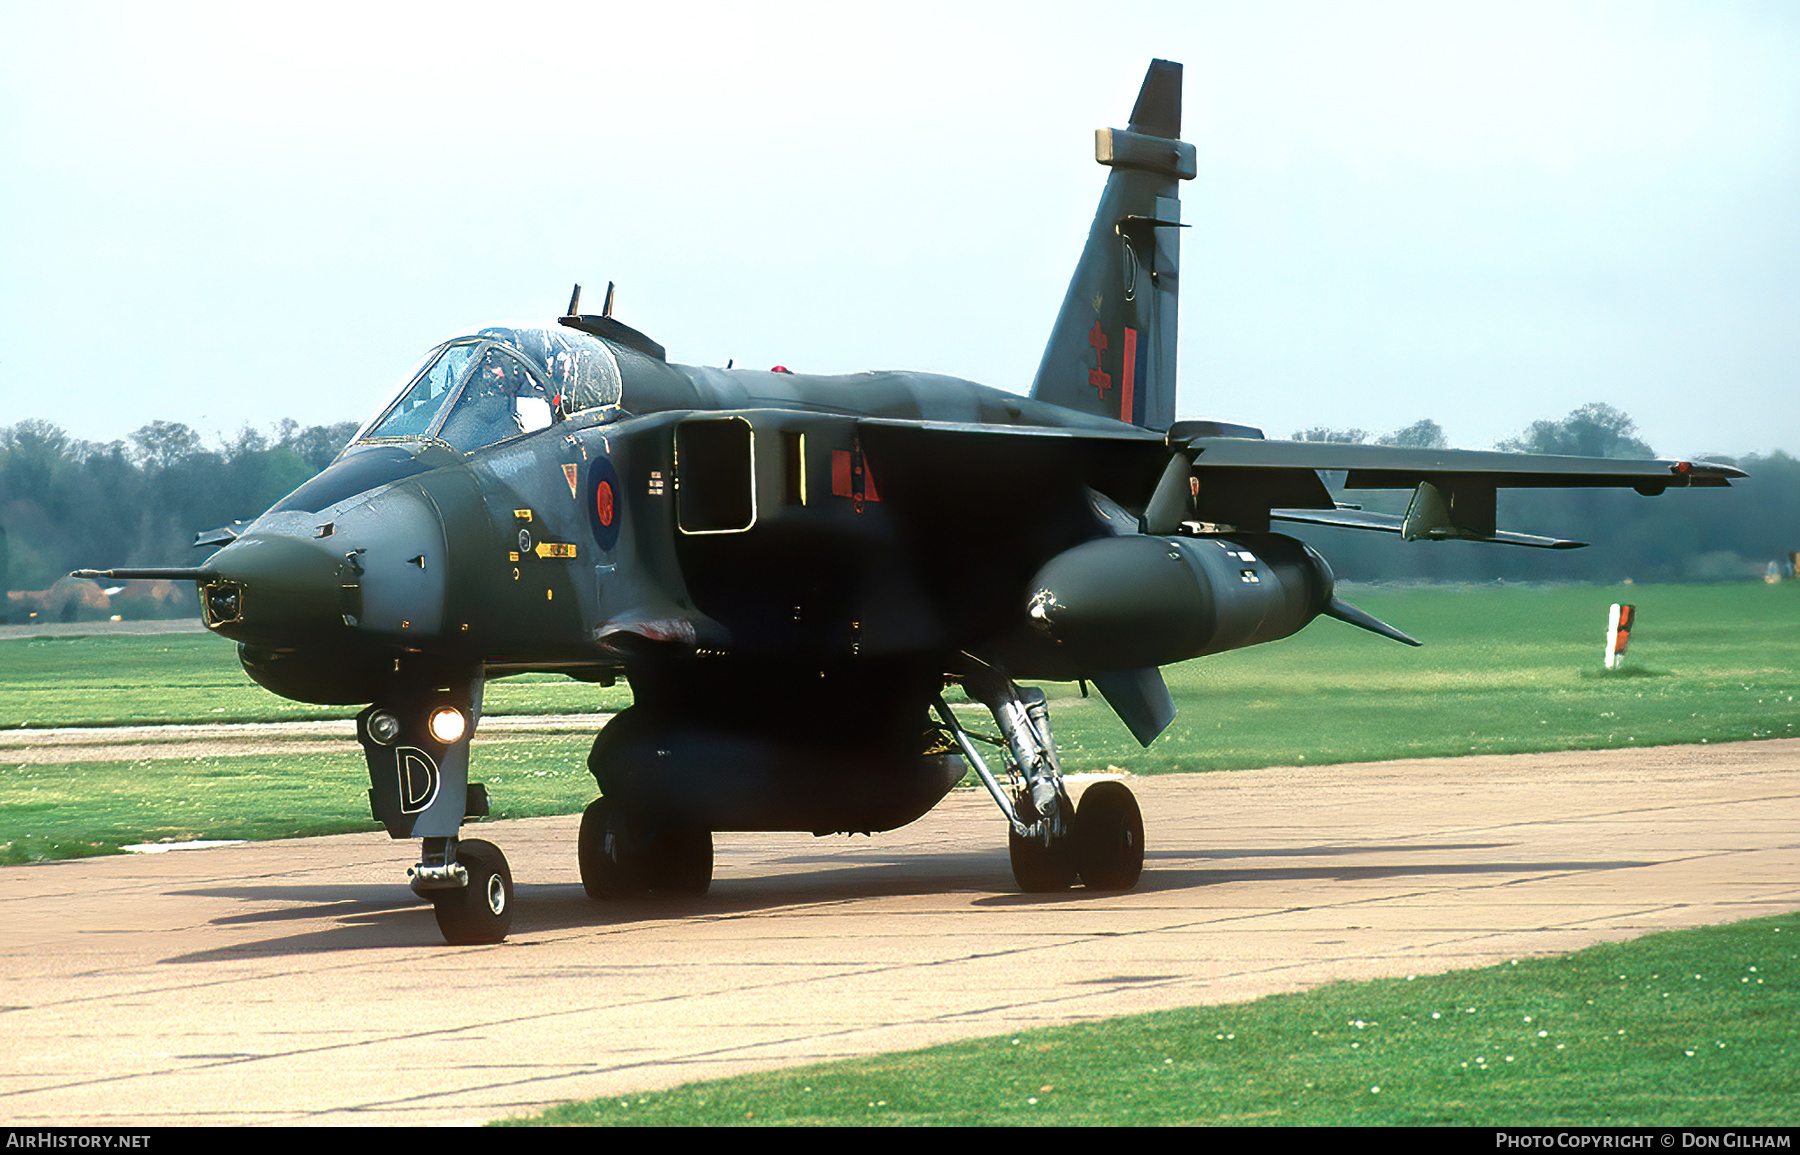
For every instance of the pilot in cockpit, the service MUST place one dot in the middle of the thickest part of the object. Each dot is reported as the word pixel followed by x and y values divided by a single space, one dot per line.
pixel 500 399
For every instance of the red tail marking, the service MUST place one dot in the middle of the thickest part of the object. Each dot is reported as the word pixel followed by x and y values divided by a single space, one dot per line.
pixel 1098 376
pixel 1128 376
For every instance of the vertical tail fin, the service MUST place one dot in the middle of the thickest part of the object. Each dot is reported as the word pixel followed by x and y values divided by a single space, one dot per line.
pixel 1112 350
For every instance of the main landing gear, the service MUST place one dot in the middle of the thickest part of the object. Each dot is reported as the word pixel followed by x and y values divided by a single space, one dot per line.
pixel 621 857
pixel 1051 842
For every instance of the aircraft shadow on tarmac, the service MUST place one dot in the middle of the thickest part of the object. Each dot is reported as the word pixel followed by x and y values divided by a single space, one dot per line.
pixel 379 916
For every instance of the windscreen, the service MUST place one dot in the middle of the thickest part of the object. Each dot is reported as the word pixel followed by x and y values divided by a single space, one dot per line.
pixel 416 411
pixel 506 381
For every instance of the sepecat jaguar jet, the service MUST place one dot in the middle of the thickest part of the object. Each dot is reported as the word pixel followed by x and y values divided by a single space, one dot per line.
pixel 791 570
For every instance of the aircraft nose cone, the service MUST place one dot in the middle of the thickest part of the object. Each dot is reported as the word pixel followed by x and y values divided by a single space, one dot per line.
pixel 275 588
pixel 378 569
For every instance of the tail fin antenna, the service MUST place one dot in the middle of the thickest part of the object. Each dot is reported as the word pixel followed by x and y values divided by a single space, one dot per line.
pixel 1112 349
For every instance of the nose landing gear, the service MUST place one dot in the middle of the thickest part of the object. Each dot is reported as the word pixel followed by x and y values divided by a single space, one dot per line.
pixel 417 748
pixel 481 910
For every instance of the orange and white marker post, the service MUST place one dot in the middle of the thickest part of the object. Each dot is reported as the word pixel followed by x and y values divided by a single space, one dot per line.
pixel 1618 632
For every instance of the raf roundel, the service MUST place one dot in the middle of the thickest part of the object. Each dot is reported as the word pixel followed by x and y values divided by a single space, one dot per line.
pixel 603 502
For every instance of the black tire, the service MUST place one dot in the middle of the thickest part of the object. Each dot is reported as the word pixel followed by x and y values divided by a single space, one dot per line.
pixel 1109 837
pixel 682 861
pixel 1039 869
pixel 481 912
pixel 609 869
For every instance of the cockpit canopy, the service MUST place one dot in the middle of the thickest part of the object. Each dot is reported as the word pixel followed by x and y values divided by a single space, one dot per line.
pixel 504 381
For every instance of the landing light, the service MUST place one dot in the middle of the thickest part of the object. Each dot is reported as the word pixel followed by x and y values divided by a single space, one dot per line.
pixel 447 724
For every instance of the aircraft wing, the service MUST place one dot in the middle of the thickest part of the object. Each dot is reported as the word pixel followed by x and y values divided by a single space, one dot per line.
pixel 1260 464
pixel 1244 481
pixel 964 481
pixel 1247 481
pixel 1110 433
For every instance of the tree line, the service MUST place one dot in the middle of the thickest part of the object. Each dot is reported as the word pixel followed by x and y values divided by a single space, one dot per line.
pixel 68 504
pixel 1684 535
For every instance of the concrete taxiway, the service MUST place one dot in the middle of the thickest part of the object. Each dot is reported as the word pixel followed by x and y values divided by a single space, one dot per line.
pixel 301 982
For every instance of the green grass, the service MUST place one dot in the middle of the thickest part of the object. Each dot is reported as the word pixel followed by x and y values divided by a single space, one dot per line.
pixel 1684 1028
pixel 1503 670
pixel 81 809
pixel 159 679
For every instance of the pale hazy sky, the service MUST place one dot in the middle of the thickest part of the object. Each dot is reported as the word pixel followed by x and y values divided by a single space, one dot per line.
pixel 1484 214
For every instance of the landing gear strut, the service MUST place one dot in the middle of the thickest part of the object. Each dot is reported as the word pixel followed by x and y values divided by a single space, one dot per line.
pixel 1051 843
pixel 417 748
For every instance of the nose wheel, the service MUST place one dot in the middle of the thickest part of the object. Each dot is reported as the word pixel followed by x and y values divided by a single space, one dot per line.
pixel 481 912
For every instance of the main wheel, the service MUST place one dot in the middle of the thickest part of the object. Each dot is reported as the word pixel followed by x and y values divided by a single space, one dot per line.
pixel 482 911
pixel 1038 868
pixel 1109 837
pixel 681 860
pixel 609 868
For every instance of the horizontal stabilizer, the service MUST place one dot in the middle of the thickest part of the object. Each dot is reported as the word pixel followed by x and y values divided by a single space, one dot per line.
pixel 1343 611
pixel 1391 467
pixel 1141 700
pixel 1389 523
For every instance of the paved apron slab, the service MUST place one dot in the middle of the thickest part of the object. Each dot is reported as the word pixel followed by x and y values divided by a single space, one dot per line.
pixel 301 982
